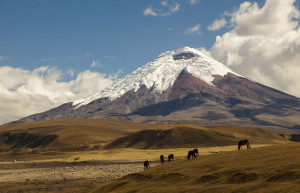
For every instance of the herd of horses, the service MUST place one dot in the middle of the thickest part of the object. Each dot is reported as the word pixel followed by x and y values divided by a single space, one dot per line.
pixel 192 154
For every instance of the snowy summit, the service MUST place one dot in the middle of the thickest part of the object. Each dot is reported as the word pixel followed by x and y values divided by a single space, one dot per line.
pixel 161 73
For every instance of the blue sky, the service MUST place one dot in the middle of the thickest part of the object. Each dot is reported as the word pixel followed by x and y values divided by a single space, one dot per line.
pixel 116 34
pixel 57 51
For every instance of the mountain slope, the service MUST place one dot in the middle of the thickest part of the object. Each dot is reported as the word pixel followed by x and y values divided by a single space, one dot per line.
pixel 185 86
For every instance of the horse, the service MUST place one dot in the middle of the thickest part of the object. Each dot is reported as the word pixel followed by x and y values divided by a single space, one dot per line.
pixel 146 165
pixel 243 142
pixel 196 151
pixel 171 157
pixel 162 159
pixel 193 153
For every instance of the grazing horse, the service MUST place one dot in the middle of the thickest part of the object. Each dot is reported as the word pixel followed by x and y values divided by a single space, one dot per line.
pixel 196 151
pixel 146 165
pixel 171 157
pixel 162 159
pixel 243 142
pixel 191 154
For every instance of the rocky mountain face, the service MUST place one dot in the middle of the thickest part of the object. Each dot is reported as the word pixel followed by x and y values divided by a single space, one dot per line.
pixel 185 86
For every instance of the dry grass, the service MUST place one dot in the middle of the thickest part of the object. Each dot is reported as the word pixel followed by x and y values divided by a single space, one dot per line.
pixel 79 171
pixel 172 136
pixel 80 141
pixel 73 134
pixel 87 137
pixel 267 169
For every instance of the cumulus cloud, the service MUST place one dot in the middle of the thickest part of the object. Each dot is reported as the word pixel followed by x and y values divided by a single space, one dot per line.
pixel 164 9
pixel 195 29
pixel 274 19
pixel 263 44
pixel 24 92
pixel 217 24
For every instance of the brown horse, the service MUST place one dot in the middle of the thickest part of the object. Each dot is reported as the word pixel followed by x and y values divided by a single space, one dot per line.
pixel 162 159
pixel 146 165
pixel 243 142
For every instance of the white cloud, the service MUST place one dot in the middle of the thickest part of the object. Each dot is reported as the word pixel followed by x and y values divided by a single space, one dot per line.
pixel 272 20
pixel 71 72
pixel 165 9
pixel 149 11
pixel 264 44
pixel 24 92
pixel 195 29
pixel 96 63
pixel 164 3
pixel 194 1
pixel 174 8
pixel 217 24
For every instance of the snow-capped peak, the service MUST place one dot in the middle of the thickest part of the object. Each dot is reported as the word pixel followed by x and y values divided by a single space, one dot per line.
pixel 161 73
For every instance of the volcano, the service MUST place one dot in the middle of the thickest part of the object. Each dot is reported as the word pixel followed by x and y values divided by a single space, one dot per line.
pixel 185 86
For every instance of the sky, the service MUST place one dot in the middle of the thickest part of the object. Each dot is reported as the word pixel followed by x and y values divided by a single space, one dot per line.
pixel 57 51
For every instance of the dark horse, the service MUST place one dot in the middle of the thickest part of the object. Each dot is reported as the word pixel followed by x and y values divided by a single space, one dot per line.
pixel 196 151
pixel 171 157
pixel 243 142
pixel 146 165
pixel 162 159
pixel 193 153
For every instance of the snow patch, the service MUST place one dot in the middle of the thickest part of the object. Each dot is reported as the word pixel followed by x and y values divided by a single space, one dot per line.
pixel 161 73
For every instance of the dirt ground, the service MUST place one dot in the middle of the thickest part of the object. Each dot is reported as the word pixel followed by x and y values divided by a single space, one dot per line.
pixel 61 176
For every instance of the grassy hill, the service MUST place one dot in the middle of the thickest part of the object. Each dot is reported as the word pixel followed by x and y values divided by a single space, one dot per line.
pixel 64 135
pixel 267 169
pixel 183 136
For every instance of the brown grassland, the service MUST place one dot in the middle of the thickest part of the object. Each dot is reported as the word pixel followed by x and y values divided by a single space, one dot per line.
pixel 75 160
pixel 274 168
